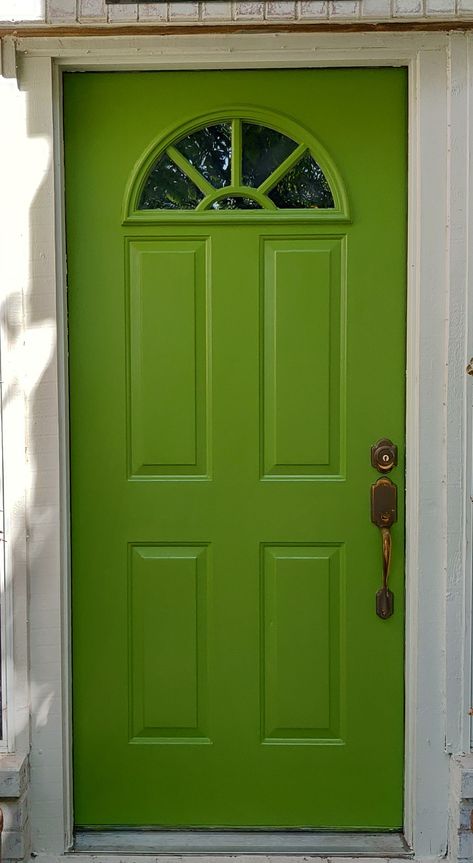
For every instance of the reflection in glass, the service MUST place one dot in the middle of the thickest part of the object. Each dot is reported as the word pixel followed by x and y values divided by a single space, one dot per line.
pixel 210 151
pixel 263 151
pixel 304 186
pixel 168 188
pixel 235 203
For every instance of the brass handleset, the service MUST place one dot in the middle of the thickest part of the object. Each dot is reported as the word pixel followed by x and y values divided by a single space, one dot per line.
pixel 383 515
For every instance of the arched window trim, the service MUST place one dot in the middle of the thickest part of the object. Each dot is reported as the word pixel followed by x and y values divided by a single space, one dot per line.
pixel 235 115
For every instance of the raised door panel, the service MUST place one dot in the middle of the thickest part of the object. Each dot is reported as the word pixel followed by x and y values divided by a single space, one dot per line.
pixel 303 357
pixel 167 358
pixel 302 637
pixel 167 590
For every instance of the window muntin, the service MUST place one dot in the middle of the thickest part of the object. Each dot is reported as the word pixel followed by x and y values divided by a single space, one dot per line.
pixel 261 167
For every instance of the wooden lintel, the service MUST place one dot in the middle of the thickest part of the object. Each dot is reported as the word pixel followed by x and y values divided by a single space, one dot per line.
pixel 24 32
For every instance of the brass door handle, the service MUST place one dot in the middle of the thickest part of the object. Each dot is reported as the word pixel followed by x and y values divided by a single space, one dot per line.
pixel 385 597
pixel 383 515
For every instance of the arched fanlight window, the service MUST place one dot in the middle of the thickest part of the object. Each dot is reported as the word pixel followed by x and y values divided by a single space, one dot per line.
pixel 236 165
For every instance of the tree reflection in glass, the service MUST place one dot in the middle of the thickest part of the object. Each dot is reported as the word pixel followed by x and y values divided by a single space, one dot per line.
pixel 303 187
pixel 199 166
pixel 235 203
pixel 264 150
pixel 210 151
pixel 168 188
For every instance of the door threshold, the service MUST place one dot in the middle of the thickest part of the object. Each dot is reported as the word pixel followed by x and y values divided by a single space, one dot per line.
pixel 315 843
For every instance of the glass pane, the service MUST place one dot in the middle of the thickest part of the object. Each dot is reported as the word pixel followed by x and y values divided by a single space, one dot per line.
pixel 168 188
pixel 210 151
pixel 304 186
pixel 263 150
pixel 238 203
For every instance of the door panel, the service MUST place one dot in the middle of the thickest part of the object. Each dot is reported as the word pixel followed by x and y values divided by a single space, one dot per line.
pixel 303 290
pixel 228 377
pixel 168 357
pixel 301 608
pixel 168 643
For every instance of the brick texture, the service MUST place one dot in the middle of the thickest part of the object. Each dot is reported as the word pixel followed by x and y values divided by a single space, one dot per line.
pixel 57 12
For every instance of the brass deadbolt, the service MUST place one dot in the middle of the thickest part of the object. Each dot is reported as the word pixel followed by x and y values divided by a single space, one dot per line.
pixel 384 455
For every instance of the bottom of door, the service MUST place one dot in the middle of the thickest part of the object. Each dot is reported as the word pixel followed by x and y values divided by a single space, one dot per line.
pixel 241 842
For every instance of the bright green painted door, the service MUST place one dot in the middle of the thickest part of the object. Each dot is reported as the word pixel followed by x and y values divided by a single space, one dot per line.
pixel 229 372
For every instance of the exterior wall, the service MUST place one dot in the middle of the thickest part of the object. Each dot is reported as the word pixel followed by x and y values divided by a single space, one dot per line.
pixel 14 767
pixel 61 12
pixel 14 796
pixel 461 810
pixel 30 321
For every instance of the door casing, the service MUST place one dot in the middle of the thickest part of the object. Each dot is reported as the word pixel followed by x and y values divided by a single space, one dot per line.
pixel 426 771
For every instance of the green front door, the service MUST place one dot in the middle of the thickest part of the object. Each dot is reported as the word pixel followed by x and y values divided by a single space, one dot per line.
pixel 236 249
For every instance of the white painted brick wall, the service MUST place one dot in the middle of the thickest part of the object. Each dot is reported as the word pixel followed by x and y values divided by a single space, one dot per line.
pixel 460 842
pixel 183 11
pixel 376 9
pixel 407 8
pixel 91 10
pixel 15 840
pixel 62 12
pixel 343 9
pixel 313 9
pixel 14 844
pixel 440 7
pixel 280 10
pixel 123 13
pixel 465 8
pixel 250 11
pixel 216 11
pixel 15 813
pixel 156 11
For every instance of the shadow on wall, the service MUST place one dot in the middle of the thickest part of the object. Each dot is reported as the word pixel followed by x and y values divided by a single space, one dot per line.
pixel 31 445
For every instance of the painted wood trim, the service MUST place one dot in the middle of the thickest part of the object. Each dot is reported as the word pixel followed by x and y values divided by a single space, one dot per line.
pixel 458 398
pixel 427 767
pixel 240 51
pixel 205 205
pixel 46 519
pixel 241 842
pixel 468 436
pixel 57 131
pixel 237 154
pixel 71 856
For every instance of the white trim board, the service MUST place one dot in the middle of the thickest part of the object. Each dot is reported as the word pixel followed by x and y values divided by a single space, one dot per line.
pixel 212 842
pixel 368 854
pixel 438 591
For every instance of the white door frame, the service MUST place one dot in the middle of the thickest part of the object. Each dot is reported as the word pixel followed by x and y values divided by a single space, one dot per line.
pixel 438 571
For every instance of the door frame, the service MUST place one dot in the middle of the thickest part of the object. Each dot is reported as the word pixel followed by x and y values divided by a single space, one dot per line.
pixel 438 611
